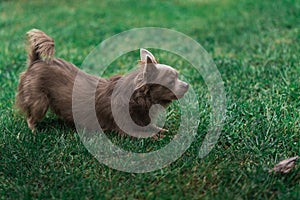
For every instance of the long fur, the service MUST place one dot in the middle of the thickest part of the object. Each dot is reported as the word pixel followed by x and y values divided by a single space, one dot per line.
pixel 40 46
pixel 48 83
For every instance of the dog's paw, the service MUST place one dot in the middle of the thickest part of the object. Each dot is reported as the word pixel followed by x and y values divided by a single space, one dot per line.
pixel 31 124
pixel 158 136
pixel 162 130
pixel 160 133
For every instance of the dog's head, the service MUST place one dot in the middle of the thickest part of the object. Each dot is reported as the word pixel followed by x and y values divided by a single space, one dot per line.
pixel 160 81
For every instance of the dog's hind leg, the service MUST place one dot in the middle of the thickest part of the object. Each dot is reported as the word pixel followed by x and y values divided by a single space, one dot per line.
pixel 31 123
pixel 37 110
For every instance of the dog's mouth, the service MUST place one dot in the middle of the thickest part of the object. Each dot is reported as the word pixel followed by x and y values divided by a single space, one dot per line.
pixel 165 96
pixel 172 97
pixel 179 96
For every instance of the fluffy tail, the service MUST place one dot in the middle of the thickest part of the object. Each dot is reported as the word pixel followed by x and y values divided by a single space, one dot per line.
pixel 40 46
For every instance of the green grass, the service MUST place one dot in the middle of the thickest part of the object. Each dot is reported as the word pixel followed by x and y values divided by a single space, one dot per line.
pixel 255 45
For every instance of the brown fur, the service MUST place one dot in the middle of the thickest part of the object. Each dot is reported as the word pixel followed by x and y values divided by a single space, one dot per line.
pixel 48 83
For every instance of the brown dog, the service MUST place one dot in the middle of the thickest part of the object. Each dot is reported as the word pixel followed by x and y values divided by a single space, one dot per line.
pixel 48 83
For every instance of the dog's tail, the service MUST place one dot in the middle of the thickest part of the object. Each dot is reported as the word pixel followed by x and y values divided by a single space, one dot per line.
pixel 39 46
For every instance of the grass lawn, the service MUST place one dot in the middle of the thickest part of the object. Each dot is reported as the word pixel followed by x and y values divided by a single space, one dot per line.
pixel 255 45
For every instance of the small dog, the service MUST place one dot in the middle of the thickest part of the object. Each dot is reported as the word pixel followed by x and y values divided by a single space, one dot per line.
pixel 48 83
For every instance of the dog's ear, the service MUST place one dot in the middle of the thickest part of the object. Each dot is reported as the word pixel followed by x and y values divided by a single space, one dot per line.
pixel 146 75
pixel 149 70
pixel 148 62
pixel 147 56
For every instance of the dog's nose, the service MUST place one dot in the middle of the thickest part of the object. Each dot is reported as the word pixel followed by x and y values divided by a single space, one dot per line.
pixel 185 85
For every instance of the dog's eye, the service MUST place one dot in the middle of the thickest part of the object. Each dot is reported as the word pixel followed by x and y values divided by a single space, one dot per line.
pixel 171 82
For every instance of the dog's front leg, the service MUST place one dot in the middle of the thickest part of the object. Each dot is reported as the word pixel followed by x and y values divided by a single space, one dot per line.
pixel 159 132
pixel 152 131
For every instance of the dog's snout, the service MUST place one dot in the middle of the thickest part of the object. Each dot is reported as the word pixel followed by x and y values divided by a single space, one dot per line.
pixel 185 85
